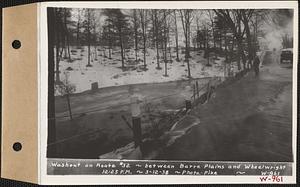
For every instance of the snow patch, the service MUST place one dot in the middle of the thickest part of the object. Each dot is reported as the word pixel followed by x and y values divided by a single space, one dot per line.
pixel 108 72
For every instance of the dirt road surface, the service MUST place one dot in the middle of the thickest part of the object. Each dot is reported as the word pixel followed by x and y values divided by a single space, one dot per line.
pixel 249 120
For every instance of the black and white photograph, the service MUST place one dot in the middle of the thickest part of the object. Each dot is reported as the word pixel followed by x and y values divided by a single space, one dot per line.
pixel 170 84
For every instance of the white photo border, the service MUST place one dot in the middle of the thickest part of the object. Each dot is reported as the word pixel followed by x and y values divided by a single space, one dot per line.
pixel 148 179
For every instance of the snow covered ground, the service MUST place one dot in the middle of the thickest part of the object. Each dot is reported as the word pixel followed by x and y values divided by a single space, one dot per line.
pixel 107 72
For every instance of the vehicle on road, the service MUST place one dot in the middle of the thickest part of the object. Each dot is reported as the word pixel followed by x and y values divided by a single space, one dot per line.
pixel 286 56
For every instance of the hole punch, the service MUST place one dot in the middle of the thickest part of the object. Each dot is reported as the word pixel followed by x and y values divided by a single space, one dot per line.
pixel 16 44
pixel 17 146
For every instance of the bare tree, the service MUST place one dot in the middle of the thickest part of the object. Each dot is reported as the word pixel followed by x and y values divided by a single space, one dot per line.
pixel 186 19
pixel 58 41
pixel 176 35
pixel 165 40
pixel 155 24
pixel 198 29
pixel 245 17
pixel 238 23
pixel 66 15
pixel 88 28
pixel 136 33
pixel 144 25
pixel 212 25
pixel 95 37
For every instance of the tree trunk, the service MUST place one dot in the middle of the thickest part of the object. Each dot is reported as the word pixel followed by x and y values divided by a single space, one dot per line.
pixel 153 28
pixel 95 56
pixel 198 29
pixel 249 40
pixel 77 32
pixel 187 54
pixel 68 45
pixel 89 54
pixel 226 49
pixel 95 41
pixel 69 105
pixel 157 56
pixel 166 69
pixel 188 39
pixel 255 35
pixel 239 53
pixel 165 44
pixel 122 50
pixel 57 77
pixel 231 50
pixel 221 36
pixel 110 43
pixel 156 40
pixel 170 48
pixel 89 42
pixel 239 39
pixel 135 34
pixel 145 63
pixel 57 46
pixel 176 37
pixel 213 33
pixel 206 38
pixel 143 22
pixel 67 34
pixel 185 19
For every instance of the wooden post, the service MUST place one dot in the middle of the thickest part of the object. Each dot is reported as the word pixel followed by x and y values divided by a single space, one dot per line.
pixel 187 98
pixel 136 121
pixel 94 86
pixel 188 105
pixel 197 88
pixel 137 131
pixel 194 92
pixel 208 91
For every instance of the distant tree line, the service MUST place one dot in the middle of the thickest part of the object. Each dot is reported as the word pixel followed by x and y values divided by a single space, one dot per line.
pixel 232 33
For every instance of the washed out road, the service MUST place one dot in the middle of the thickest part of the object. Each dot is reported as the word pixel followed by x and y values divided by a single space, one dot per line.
pixel 248 120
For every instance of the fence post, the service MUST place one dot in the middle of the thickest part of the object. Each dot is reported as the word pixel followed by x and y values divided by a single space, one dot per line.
pixel 194 92
pixel 94 86
pixel 136 121
pixel 188 105
pixel 208 91
pixel 187 98
pixel 197 88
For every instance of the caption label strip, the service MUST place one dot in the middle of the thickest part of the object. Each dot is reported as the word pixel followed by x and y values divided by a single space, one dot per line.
pixel 107 167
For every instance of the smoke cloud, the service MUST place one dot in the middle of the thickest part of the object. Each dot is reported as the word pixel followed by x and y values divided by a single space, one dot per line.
pixel 280 26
